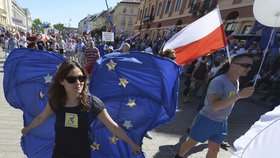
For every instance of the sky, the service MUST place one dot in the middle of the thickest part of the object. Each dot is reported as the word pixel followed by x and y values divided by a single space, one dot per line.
pixel 64 11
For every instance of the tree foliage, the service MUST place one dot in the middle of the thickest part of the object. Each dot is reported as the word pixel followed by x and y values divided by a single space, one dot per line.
pixel 59 27
pixel 38 26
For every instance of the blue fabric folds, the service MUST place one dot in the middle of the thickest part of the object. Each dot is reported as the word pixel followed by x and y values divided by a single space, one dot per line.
pixel 139 90
pixel 26 75
pixel 147 98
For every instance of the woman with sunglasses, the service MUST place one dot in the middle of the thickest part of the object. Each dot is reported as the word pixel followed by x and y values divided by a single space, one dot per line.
pixel 69 100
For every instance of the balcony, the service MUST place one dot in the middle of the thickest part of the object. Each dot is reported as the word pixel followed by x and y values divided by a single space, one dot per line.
pixel 148 19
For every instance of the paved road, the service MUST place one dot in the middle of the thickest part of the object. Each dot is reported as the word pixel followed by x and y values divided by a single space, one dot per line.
pixel 10 124
pixel 166 139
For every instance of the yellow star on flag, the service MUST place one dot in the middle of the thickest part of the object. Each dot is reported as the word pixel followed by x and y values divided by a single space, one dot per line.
pixel 57 66
pixel 42 95
pixel 95 146
pixel 111 65
pixel 131 103
pixel 123 82
pixel 48 78
pixel 127 124
pixel 113 139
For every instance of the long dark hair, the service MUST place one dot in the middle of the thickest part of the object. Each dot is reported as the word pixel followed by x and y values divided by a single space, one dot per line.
pixel 57 93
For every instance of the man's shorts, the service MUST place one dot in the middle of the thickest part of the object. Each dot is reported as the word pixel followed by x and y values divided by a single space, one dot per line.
pixel 206 129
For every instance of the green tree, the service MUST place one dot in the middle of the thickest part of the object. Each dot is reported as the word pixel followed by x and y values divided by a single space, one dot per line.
pixel 37 25
pixel 59 27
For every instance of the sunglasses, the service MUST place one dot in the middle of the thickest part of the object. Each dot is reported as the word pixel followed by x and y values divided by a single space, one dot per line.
pixel 73 79
pixel 244 65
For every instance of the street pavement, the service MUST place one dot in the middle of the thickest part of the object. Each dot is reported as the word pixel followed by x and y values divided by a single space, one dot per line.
pixel 166 139
pixel 10 125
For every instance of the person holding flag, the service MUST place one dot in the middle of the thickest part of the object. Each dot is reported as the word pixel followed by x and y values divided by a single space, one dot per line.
pixel 74 110
pixel 222 93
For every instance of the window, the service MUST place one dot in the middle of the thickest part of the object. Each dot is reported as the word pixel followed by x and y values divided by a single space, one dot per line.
pixel 123 20
pixel 246 29
pixel 167 9
pixel 191 3
pixel 132 10
pixel 230 27
pixel 140 15
pixel 130 21
pixel 159 9
pixel 124 10
pixel 145 11
pixel 178 5
pixel 152 11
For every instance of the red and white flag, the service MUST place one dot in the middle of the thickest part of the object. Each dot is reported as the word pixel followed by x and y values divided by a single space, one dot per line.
pixel 199 38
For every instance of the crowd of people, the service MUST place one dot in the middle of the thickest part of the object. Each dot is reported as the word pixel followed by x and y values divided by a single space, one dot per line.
pixel 211 81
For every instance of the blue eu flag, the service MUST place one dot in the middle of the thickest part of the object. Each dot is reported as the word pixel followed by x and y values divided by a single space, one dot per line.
pixel 27 76
pixel 139 90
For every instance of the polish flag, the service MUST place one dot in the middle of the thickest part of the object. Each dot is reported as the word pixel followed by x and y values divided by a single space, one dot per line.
pixel 199 38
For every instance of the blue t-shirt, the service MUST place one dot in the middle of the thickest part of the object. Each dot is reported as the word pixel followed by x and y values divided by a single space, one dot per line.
pixel 220 85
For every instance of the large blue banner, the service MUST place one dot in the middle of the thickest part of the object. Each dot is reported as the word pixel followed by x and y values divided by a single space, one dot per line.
pixel 139 90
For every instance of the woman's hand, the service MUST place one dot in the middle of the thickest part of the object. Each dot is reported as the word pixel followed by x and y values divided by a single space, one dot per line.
pixel 136 148
pixel 24 131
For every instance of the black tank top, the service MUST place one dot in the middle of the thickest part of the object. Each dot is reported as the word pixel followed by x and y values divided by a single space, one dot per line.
pixel 71 130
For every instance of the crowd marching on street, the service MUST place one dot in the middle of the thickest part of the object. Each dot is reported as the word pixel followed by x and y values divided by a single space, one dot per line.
pixel 86 50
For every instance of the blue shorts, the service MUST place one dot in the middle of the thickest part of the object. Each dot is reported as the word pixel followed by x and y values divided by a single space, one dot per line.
pixel 207 129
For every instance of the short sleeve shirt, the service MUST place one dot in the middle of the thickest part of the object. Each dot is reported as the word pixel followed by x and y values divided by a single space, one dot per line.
pixel 96 107
pixel 220 85
pixel 72 128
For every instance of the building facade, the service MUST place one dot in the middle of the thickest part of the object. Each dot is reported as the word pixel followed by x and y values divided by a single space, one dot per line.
pixel 4 13
pixel 13 17
pixel 96 21
pixel 157 17
pixel 124 16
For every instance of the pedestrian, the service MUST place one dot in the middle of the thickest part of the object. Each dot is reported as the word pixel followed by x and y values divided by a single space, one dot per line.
pixel 91 54
pixel 168 53
pixel 73 107
pixel 80 46
pixel 110 49
pixel 6 46
pixel 12 43
pixel 61 45
pixel 211 121
pixel 22 40
pixel 125 48
pixel 40 43
pixel 198 79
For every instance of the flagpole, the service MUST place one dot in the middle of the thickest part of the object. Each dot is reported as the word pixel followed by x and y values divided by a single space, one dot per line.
pixel 264 55
pixel 109 15
pixel 162 46
pixel 228 54
pixel 107 4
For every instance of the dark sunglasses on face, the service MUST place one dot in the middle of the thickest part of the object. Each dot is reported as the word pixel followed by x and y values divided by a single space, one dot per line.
pixel 73 79
pixel 244 65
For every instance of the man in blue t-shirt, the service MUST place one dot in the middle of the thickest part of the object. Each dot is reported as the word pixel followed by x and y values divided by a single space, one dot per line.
pixel 211 121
